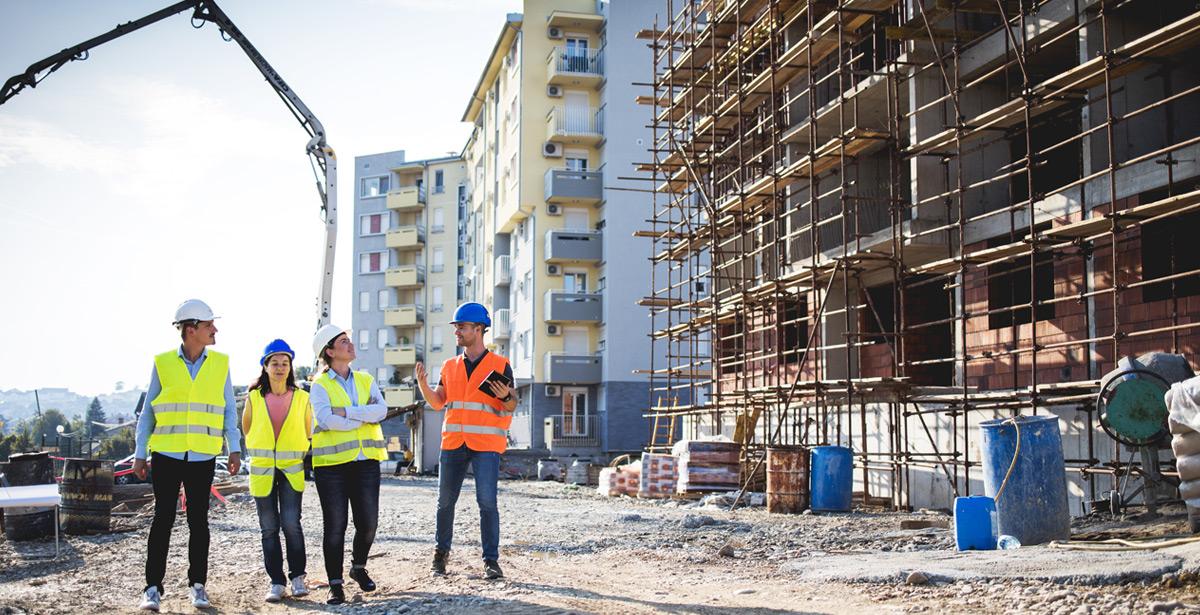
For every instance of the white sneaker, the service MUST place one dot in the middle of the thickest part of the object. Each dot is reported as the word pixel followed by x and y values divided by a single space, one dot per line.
pixel 199 596
pixel 298 586
pixel 275 594
pixel 151 600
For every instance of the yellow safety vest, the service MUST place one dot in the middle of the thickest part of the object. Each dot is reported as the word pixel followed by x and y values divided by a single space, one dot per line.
pixel 331 446
pixel 285 454
pixel 189 415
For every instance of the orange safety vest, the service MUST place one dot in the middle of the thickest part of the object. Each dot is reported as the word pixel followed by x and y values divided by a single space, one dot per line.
pixel 473 417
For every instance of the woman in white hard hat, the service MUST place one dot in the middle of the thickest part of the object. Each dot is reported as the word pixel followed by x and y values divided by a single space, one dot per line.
pixel 347 447
pixel 277 423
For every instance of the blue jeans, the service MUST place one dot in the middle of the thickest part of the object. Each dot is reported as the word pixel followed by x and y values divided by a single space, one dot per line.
pixel 277 510
pixel 452 470
pixel 353 485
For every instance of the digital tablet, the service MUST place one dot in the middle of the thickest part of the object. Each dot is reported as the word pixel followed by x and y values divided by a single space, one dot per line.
pixel 494 376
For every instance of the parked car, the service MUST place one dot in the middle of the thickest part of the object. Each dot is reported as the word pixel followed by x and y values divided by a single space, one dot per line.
pixel 223 465
pixel 122 477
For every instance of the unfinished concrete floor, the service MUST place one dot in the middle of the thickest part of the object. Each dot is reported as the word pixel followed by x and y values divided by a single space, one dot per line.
pixel 568 550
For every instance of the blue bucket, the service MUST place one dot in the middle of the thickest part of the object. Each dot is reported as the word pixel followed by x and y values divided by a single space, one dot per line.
pixel 1033 506
pixel 831 480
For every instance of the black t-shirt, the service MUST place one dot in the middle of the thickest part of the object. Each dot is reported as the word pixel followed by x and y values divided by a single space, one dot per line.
pixel 470 365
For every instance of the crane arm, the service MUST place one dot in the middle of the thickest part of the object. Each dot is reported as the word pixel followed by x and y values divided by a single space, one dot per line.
pixel 321 154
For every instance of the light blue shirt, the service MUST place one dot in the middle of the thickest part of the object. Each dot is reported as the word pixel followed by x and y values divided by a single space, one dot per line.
pixel 373 411
pixel 145 426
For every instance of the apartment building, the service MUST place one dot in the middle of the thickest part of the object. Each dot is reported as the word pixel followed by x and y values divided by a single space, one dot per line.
pixel 406 277
pixel 879 223
pixel 548 232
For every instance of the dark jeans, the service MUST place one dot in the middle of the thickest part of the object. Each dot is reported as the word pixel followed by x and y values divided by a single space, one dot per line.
pixel 356 484
pixel 281 509
pixel 196 478
pixel 452 469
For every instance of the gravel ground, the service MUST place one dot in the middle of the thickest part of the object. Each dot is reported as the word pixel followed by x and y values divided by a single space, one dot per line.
pixel 564 549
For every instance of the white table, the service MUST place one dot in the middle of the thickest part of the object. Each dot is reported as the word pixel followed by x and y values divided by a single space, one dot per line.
pixel 33 496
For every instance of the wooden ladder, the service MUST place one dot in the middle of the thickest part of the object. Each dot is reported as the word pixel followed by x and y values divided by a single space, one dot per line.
pixel 662 432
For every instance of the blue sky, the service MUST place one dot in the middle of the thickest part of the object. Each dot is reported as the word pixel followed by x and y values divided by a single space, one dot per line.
pixel 164 167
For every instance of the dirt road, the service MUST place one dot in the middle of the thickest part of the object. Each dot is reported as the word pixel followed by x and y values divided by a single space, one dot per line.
pixel 563 549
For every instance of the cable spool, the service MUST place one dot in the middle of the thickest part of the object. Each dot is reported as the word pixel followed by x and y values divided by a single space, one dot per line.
pixel 1132 407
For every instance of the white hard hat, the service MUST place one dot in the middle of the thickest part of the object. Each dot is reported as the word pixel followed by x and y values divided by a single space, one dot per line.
pixel 193 309
pixel 325 335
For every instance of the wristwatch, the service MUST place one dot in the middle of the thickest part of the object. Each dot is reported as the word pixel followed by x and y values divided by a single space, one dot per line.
pixel 507 397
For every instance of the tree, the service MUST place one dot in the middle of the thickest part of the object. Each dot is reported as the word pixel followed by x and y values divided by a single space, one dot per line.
pixel 45 427
pixel 95 412
pixel 18 442
pixel 119 446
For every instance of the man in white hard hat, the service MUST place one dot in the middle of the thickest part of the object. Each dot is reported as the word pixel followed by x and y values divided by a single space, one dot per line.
pixel 347 446
pixel 189 410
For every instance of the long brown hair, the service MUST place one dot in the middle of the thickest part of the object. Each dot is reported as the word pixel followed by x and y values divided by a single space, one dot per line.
pixel 263 383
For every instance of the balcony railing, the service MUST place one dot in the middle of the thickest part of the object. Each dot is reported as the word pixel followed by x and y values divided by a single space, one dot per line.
pixel 571 245
pixel 411 315
pixel 406 276
pixel 411 237
pixel 564 186
pixel 575 124
pixel 563 306
pixel 572 368
pixel 403 354
pixel 399 395
pixel 572 430
pixel 575 67
pixel 407 198
pixel 503 270
pixel 502 324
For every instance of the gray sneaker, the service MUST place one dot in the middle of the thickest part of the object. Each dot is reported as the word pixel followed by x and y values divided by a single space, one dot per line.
pixel 199 596
pixel 151 600
pixel 275 594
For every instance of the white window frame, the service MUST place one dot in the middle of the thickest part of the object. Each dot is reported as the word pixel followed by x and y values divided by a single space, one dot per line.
pixel 439 187
pixel 384 297
pixel 381 338
pixel 384 226
pixel 437 260
pixel 364 339
pixel 382 376
pixel 362 183
pixel 364 301
pixel 437 222
pixel 385 261
pixel 435 338
pixel 436 299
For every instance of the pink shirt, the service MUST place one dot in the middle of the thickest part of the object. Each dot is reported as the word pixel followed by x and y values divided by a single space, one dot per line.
pixel 277 408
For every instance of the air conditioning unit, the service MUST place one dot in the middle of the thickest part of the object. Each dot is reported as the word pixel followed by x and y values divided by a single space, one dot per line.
pixel 553 210
pixel 553 390
pixel 551 149
pixel 553 32
pixel 553 270
pixel 554 91
pixel 553 330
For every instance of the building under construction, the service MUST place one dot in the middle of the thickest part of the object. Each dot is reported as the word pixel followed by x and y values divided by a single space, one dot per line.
pixel 878 223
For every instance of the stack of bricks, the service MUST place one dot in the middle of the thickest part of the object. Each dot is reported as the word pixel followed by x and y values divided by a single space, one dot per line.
pixel 659 475
pixel 706 467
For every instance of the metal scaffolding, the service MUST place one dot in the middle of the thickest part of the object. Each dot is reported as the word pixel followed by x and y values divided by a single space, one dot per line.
pixel 877 222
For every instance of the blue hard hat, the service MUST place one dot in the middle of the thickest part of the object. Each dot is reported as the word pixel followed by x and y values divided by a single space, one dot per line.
pixel 276 347
pixel 472 312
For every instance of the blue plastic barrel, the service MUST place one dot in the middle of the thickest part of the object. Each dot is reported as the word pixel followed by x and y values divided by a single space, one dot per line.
pixel 830 479
pixel 975 523
pixel 1033 506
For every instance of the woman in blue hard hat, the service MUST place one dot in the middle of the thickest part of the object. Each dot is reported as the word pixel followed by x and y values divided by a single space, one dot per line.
pixel 277 421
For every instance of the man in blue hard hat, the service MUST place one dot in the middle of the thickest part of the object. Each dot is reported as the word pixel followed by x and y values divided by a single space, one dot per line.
pixel 475 388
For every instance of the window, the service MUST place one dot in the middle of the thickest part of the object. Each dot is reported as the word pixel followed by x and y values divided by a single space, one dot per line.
pixel 437 299
pixel 439 182
pixel 372 224
pixel 577 55
pixel 382 376
pixel 1008 285
pixel 381 339
pixel 1167 250
pixel 462 194
pixel 364 339
pixel 383 299
pixel 575 282
pixel 372 262
pixel 576 160
pixel 511 169
pixel 439 260
pixel 439 220
pixel 373 186
pixel 512 112
pixel 795 328
pixel 364 301
pixel 435 337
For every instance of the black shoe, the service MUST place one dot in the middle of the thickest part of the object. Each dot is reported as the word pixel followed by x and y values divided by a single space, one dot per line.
pixel 336 594
pixel 439 562
pixel 491 569
pixel 364 581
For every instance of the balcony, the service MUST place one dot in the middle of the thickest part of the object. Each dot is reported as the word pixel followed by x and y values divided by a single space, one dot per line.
pixel 404 355
pixel 407 198
pixel 563 306
pixel 578 22
pixel 410 237
pixel 565 246
pixel 569 368
pixel 399 396
pixel 581 187
pixel 502 324
pixel 575 125
pixel 572 431
pixel 404 316
pixel 582 68
pixel 503 270
pixel 405 276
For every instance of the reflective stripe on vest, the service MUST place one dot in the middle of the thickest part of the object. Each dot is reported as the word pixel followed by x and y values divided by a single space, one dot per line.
pixel 333 446
pixel 189 414
pixel 474 418
pixel 285 453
